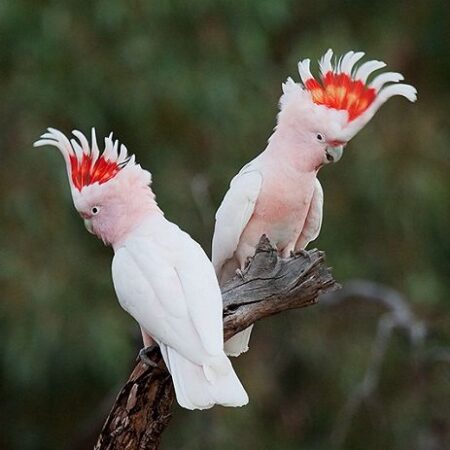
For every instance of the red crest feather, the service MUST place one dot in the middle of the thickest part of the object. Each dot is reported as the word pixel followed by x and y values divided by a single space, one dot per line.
pixel 339 91
pixel 345 87
pixel 84 163
pixel 86 171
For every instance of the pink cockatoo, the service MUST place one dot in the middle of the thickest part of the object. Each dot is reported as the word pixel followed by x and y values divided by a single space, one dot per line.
pixel 278 193
pixel 162 277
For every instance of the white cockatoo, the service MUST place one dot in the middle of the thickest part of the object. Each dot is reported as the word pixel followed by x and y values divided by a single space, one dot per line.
pixel 278 193
pixel 162 277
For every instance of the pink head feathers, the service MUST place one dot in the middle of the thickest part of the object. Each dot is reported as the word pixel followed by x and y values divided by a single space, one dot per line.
pixel 110 191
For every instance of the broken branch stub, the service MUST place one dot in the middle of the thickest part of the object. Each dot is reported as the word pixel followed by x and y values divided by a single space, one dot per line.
pixel 271 284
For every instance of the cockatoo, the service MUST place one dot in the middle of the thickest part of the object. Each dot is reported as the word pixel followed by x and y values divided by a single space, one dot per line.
pixel 278 193
pixel 161 276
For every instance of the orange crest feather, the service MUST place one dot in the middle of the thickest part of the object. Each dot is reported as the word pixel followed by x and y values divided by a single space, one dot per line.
pixel 344 86
pixel 339 91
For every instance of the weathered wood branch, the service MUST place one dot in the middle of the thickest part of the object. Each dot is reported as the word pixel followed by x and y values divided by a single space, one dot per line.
pixel 268 286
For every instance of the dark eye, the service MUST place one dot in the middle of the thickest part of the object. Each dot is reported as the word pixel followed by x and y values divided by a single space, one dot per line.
pixel 95 210
pixel 320 137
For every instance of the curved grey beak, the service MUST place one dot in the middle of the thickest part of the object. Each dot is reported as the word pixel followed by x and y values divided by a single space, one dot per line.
pixel 334 154
pixel 88 225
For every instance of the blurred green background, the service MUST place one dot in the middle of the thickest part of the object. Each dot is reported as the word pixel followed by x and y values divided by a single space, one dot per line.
pixel 191 87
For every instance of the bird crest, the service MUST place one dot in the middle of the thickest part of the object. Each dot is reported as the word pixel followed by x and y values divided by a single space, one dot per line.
pixel 345 86
pixel 85 164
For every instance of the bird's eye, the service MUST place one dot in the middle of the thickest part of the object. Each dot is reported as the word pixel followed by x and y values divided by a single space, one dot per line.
pixel 95 210
pixel 320 137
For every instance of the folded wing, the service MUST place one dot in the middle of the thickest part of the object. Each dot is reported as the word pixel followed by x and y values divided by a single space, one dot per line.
pixel 234 214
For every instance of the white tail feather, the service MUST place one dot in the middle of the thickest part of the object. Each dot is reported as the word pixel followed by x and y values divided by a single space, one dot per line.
pixel 199 387
pixel 238 343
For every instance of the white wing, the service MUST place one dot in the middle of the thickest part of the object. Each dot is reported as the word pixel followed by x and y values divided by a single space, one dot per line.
pixel 201 289
pixel 172 293
pixel 234 213
pixel 313 222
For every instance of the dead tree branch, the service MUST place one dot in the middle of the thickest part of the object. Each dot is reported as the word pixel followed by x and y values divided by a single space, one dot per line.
pixel 398 315
pixel 268 286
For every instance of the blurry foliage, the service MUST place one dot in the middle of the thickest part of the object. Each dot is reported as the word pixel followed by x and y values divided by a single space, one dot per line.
pixel 192 88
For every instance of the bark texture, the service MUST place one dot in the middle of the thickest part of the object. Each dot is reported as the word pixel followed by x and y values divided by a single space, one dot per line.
pixel 267 286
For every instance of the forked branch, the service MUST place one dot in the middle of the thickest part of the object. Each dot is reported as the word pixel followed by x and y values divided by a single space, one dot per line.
pixel 269 285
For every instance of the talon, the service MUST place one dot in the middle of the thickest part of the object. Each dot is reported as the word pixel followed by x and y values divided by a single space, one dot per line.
pixel 240 274
pixel 144 356
pixel 303 253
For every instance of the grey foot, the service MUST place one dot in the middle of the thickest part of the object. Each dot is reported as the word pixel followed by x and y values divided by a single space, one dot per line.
pixel 247 262
pixel 144 356
pixel 240 274
pixel 301 252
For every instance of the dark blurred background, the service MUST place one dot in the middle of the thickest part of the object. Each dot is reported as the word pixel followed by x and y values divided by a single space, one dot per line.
pixel 191 87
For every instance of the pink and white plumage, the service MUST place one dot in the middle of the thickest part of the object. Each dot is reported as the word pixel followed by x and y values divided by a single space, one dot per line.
pixel 161 275
pixel 278 193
